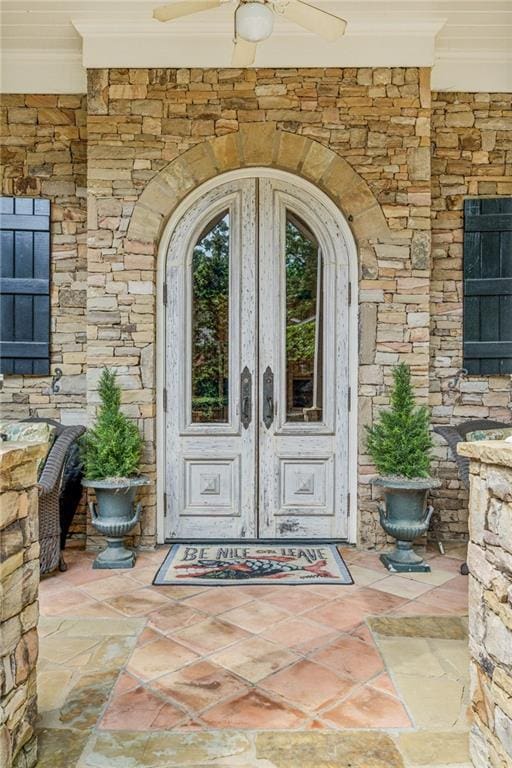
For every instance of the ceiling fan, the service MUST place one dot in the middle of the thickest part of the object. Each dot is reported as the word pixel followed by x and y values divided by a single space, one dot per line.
pixel 254 21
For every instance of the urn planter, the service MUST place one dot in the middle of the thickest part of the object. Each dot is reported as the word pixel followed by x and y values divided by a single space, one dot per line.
pixel 114 514
pixel 405 516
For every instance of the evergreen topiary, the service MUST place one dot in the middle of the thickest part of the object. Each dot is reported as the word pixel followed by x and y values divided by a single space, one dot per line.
pixel 112 447
pixel 400 443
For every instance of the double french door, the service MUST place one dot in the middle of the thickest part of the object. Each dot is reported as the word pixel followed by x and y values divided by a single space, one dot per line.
pixel 257 366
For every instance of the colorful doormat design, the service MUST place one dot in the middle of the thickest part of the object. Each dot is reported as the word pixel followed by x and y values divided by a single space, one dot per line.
pixel 231 563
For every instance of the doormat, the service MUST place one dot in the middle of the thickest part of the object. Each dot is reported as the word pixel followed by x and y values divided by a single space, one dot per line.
pixel 232 563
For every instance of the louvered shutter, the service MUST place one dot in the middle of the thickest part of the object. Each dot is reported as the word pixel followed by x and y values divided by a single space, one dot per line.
pixel 24 285
pixel 488 285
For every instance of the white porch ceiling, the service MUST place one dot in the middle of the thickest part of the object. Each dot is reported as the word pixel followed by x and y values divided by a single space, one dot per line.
pixel 48 44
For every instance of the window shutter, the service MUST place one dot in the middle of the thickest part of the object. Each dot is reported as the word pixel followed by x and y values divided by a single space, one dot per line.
pixel 24 285
pixel 488 285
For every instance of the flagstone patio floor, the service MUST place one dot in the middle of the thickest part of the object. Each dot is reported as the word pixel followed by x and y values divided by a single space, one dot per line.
pixel 132 675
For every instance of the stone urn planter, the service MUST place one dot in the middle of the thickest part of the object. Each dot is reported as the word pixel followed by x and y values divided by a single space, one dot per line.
pixel 114 514
pixel 400 445
pixel 112 452
pixel 405 515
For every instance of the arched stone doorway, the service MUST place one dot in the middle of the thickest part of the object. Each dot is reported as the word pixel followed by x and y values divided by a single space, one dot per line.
pixel 251 148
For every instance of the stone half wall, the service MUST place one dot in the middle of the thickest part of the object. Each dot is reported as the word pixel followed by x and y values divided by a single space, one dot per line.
pixel 490 601
pixel 19 579
pixel 43 154
pixel 471 157
pixel 362 135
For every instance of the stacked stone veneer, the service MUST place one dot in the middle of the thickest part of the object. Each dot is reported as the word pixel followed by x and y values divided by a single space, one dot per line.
pixel 490 603
pixel 361 135
pixel 19 581
pixel 43 153
pixel 471 156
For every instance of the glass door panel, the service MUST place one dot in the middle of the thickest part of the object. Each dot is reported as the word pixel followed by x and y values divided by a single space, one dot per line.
pixel 304 324
pixel 210 324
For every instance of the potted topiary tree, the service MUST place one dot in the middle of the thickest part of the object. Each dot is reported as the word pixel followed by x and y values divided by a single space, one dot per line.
pixel 400 445
pixel 111 453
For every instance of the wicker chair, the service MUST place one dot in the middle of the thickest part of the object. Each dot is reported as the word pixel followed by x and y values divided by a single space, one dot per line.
pixel 457 434
pixel 49 485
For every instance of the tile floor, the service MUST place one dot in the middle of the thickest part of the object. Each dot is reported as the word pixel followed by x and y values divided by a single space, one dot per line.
pixel 132 674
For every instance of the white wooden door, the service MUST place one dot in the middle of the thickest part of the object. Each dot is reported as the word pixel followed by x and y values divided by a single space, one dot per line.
pixel 303 345
pixel 257 366
pixel 211 340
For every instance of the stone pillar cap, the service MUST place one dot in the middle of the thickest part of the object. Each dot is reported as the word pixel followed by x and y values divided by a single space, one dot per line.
pixel 487 451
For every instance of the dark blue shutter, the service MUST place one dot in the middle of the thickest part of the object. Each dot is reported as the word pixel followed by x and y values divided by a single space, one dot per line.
pixel 488 285
pixel 24 285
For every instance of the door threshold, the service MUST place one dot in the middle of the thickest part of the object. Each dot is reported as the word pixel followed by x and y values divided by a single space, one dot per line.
pixel 285 542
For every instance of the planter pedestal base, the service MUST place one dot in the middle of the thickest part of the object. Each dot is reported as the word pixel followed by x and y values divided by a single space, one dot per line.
pixel 396 567
pixel 115 556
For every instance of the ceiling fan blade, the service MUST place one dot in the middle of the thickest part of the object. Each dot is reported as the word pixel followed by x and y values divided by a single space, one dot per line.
pixel 244 53
pixel 183 8
pixel 325 24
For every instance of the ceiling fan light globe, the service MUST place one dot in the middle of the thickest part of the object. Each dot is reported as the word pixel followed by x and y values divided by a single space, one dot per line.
pixel 254 21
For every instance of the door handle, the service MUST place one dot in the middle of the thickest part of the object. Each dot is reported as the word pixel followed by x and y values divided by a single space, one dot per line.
pixel 246 397
pixel 268 397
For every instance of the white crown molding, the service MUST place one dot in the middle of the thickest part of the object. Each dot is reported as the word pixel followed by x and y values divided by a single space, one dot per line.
pixel 476 72
pixel 207 25
pixel 475 55
pixel 42 71
pixel 379 43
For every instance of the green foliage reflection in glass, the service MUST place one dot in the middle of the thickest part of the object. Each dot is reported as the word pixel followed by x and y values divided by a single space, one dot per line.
pixel 303 322
pixel 210 323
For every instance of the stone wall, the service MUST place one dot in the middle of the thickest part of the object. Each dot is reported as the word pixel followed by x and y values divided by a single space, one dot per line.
pixel 490 601
pixel 43 147
pixel 141 123
pixel 471 156
pixel 378 121
pixel 19 581
pixel 43 154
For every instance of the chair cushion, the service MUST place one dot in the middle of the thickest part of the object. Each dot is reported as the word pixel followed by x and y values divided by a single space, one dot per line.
pixel 489 434
pixel 30 432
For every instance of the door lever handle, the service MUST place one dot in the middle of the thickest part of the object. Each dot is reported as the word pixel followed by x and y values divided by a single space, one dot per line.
pixel 245 396
pixel 268 397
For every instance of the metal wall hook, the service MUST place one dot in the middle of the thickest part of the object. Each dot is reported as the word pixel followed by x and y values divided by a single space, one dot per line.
pixel 55 386
pixel 453 384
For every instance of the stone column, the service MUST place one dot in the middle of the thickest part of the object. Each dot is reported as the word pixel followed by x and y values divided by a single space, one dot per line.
pixel 19 583
pixel 490 601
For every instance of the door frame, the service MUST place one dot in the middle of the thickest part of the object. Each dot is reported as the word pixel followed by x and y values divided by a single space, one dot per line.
pixel 161 315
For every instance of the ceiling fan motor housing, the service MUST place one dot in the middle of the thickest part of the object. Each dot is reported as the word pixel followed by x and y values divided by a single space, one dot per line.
pixel 254 21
